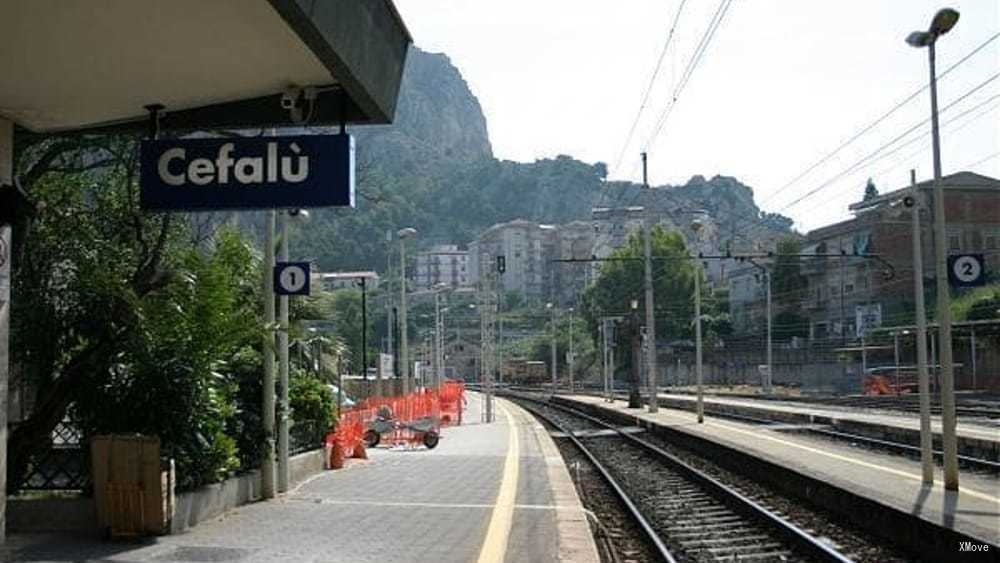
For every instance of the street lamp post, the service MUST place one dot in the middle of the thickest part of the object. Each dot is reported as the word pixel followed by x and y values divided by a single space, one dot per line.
pixel 696 227
pixel 404 347
pixel 942 23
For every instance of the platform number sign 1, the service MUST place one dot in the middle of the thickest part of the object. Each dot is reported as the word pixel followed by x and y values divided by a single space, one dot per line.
pixel 966 270
pixel 291 278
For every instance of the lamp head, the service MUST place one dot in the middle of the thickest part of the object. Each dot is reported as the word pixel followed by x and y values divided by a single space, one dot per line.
pixel 407 232
pixel 919 39
pixel 943 21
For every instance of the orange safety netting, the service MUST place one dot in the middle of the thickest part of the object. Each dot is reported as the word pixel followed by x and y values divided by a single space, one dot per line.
pixel 452 397
pixel 403 419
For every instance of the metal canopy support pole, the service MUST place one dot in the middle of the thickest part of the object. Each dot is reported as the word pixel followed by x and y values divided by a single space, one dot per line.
pixel 949 441
pixel 6 254
pixel 926 454
pixel 648 283
pixel 267 411
pixel 283 367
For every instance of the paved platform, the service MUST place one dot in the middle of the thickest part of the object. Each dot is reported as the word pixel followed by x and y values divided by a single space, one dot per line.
pixel 889 480
pixel 977 437
pixel 489 493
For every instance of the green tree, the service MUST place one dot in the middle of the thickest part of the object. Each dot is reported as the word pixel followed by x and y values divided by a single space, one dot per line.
pixel 124 325
pixel 788 285
pixel 620 280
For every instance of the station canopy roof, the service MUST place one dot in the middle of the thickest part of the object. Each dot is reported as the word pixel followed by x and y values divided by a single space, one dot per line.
pixel 74 65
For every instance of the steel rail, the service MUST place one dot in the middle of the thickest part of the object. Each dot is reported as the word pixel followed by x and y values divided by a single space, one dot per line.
pixel 662 550
pixel 808 544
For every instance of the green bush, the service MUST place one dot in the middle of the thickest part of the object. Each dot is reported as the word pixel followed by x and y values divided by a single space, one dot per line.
pixel 313 407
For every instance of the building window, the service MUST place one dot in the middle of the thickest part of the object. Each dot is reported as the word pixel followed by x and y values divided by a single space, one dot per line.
pixel 849 288
pixel 954 242
pixel 991 242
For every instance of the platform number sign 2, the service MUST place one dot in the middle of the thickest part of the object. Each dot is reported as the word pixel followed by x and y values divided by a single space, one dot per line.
pixel 966 270
pixel 291 278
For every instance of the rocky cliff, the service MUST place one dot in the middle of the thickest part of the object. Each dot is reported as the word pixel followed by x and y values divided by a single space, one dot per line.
pixel 434 169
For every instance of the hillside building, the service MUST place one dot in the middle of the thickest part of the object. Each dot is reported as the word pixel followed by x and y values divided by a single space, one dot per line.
pixel 442 264
pixel 846 295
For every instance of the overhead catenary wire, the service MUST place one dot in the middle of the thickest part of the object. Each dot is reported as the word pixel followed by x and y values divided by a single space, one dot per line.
pixel 690 68
pixel 649 87
pixel 878 120
pixel 883 147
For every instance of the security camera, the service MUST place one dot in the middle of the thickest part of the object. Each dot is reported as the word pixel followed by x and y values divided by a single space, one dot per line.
pixel 291 98
pixel 909 201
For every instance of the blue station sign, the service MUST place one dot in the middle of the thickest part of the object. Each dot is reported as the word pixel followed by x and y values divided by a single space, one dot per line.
pixel 247 173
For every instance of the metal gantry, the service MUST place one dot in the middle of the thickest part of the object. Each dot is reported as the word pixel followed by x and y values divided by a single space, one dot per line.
pixel 487 303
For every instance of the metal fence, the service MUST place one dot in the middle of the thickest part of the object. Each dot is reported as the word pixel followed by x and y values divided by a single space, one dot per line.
pixel 304 436
pixel 61 464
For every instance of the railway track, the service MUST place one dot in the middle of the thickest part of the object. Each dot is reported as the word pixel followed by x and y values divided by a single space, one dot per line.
pixel 685 513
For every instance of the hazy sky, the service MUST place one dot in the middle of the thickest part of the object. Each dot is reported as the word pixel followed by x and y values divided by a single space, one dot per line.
pixel 783 83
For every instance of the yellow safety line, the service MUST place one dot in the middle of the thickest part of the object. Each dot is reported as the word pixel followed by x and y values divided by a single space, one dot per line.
pixel 839 457
pixel 495 545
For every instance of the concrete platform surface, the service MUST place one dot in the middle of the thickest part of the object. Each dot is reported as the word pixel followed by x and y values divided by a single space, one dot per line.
pixel 488 492
pixel 976 428
pixel 887 479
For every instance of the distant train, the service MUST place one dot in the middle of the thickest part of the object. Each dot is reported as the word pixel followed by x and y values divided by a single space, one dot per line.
pixel 524 372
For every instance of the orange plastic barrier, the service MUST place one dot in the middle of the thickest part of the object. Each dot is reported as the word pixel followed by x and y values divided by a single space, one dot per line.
pixel 452 398
pixel 413 418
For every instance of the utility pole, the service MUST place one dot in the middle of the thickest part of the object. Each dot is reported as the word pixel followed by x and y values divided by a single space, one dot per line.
pixel 648 282
pixel 769 378
pixel 555 377
pixel 923 379
pixel 283 367
pixel 571 359
pixel 604 357
pixel 634 396
pixel 390 326
pixel 697 341
pixel 267 487
pixel 364 333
